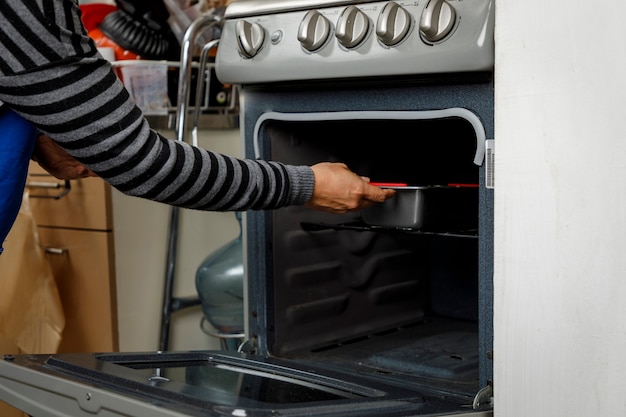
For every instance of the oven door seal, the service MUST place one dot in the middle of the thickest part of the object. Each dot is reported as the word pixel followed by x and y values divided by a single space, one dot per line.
pixel 459 112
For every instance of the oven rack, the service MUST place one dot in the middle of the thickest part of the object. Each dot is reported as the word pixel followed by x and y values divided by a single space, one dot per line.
pixel 362 227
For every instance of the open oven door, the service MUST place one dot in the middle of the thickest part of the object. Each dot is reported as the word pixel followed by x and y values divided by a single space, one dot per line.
pixel 202 384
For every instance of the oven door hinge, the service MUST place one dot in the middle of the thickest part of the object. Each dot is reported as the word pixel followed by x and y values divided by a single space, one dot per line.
pixel 484 398
pixel 248 346
pixel 490 154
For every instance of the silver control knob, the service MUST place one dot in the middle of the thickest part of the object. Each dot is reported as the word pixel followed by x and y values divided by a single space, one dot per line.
pixel 250 38
pixel 352 27
pixel 393 24
pixel 314 31
pixel 437 20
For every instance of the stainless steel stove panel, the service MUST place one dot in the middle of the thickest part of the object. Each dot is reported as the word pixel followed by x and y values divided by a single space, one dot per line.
pixel 281 40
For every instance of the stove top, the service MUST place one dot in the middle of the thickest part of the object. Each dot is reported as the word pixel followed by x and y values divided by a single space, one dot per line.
pixel 286 40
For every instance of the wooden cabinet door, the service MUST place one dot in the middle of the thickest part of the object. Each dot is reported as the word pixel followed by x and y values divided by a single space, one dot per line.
pixel 82 263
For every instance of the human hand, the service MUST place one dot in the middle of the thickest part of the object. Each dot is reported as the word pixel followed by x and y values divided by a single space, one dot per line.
pixel 339 190
pixel 57 162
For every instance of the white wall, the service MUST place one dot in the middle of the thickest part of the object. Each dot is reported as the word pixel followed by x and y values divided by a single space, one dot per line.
pixel 141 230
pixel 560 220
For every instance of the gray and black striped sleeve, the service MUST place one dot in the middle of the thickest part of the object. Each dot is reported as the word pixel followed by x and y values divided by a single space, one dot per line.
pixel 52 75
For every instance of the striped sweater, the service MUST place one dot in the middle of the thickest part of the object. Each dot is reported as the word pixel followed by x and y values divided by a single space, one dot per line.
pixel 52 75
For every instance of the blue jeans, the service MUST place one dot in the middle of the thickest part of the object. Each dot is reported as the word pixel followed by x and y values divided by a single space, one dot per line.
pixel 17 140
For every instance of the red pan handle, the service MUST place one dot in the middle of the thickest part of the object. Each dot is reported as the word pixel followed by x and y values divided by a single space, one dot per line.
pixel 389 184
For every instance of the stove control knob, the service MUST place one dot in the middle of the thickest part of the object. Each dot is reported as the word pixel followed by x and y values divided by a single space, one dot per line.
pixel 250 37
pixel 314 31
pixel 352 27
pixel 393 24
pixel 437 20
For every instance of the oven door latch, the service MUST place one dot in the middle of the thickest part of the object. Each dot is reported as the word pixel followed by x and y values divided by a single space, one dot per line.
pixel 490 160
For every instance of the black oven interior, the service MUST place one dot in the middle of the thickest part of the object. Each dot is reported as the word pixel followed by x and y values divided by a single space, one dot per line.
pixel 390 303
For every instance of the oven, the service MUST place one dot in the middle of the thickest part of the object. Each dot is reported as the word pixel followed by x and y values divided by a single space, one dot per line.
pixel 402 92
pixel 359 314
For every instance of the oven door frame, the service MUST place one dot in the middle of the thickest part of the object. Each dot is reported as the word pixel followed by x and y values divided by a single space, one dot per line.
pixel 469 98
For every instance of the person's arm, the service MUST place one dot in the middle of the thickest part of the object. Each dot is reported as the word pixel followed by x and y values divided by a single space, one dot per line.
pixel 328 176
